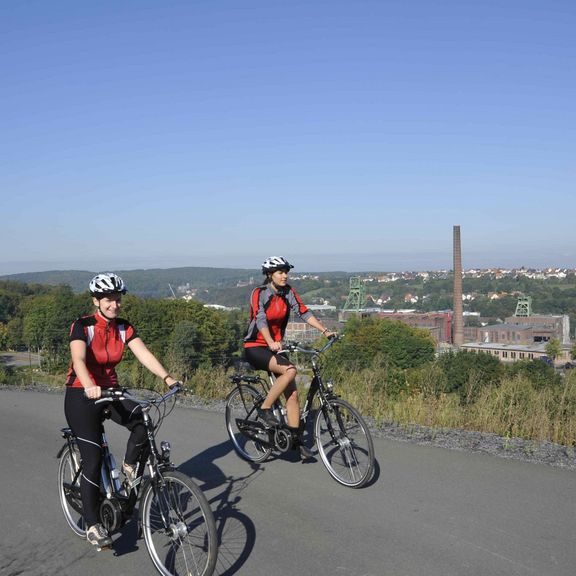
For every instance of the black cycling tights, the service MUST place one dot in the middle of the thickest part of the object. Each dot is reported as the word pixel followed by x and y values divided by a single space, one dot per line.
pixel 84 416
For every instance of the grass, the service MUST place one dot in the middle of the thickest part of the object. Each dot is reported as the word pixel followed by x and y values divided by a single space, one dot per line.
pixel 513 409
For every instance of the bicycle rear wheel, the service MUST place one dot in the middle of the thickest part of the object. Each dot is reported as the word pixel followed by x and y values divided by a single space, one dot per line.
pixel 179 527
pixel 344 443
pixel 69 490
pixel 248 436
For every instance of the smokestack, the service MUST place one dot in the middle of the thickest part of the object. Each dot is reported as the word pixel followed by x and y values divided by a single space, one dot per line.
pixel 458 320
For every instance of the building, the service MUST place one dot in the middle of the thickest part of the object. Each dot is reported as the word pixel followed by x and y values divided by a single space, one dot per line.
pixel 508 353
pixel 439 324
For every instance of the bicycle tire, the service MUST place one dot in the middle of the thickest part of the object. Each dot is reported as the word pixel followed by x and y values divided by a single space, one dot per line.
pixel 179 527
pixel 238 405
pixel 344 443
pixel 69 491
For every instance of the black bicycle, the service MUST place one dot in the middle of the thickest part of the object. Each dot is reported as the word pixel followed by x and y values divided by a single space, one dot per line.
pixel 341 436
pixel 174 515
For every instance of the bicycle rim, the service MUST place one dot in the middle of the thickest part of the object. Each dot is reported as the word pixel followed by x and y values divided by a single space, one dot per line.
pixel 344 443
pixel 238 404
pixel 179 527
pixel 69 491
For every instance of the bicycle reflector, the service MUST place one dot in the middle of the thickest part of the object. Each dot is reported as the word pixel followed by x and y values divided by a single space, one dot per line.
pixel 165 449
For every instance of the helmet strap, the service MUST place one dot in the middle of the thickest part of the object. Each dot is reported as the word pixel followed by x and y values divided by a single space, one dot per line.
pixel 102 313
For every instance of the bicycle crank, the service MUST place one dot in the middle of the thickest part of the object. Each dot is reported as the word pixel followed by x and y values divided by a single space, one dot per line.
pixel 283 439
pixel 254 430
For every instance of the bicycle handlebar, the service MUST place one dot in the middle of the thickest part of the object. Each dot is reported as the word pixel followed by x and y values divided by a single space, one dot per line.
pixel 112 394
pixel 296 347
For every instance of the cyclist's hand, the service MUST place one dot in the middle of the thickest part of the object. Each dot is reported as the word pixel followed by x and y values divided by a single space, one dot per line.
pixel 275 346
pixel 170 382
pixel 94 392
pixel 329 334
pixel 176 384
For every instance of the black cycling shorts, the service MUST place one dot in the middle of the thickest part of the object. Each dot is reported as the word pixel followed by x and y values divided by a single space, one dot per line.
pixel 259 357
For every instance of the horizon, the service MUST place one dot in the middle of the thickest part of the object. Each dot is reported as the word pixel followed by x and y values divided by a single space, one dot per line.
pixel 82 268
pixel 345 134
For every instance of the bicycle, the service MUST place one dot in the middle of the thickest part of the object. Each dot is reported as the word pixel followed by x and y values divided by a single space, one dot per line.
pixel 341 435
pixel 174 515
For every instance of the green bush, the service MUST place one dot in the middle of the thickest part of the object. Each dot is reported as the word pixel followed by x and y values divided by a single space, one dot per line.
pixel 466 373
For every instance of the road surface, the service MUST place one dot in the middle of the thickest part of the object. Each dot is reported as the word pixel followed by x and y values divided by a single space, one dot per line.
pixel 428 512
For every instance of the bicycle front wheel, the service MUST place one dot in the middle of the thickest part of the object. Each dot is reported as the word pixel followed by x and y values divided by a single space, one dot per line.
pixel 344 443
pixel 69 490
pixel 247 434
pixel 179 527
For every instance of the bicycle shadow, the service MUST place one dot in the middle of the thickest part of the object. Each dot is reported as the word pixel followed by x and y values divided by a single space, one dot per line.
pixel 236 531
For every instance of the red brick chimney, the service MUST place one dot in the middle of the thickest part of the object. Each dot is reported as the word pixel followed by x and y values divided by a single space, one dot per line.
pixel 458 323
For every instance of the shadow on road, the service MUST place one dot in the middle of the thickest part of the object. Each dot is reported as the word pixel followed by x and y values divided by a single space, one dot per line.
pixel 15 359
pixel 236 532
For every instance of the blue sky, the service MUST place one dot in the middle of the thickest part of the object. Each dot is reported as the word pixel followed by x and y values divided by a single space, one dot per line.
pixel 345 135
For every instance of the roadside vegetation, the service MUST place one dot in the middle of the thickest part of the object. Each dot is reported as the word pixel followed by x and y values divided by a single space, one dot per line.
pixel 387 369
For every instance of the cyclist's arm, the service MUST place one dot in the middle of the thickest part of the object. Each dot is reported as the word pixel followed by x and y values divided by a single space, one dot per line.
pixel 302 310
pixel 148 360
pixel 78 355
pixel 315 323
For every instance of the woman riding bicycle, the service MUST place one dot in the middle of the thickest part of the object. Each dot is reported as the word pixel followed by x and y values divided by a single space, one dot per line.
pixel 97 344
pixel 270 307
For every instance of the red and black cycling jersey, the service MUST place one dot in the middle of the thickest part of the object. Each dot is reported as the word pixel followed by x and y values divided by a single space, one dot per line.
pixel 272 309
pixel 105 342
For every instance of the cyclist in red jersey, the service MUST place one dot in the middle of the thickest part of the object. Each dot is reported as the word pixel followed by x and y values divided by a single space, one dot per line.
pixel 270 308
pixel 97 344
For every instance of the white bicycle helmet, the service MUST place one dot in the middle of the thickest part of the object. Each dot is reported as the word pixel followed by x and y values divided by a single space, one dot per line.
pixel 274 263
pixel 107 283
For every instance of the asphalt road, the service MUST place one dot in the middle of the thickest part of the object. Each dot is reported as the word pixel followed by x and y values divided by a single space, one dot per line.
pixel 19 358
pixel 428 512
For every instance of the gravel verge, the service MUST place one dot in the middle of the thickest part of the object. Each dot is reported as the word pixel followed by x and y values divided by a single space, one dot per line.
pixel 452 439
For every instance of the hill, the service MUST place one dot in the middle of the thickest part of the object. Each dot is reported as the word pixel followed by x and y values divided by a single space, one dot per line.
pixel 148 283
pixel 228 286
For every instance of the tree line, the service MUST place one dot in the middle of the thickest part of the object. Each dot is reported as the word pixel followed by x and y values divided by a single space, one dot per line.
pixel 389 370
pixel 184 334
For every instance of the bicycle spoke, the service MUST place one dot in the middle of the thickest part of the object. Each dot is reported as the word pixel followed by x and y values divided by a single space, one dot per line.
pixel 179 528
pixel 344 443
pixel 247 436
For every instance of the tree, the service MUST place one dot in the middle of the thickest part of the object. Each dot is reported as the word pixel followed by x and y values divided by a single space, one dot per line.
pixel 3 336
pixel 182 354
pixel 553 348
pixel 385 343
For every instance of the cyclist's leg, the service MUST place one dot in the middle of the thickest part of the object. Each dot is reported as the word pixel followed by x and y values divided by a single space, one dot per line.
pixel 262 358
pixel 292 404
pixel 129 414
pixel 84 417
pixel 293 418
pixel 285 373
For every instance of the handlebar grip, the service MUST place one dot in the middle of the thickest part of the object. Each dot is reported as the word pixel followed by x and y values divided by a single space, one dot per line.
pixel 110 394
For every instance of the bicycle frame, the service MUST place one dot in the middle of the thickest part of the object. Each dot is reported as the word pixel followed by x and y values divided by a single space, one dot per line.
pixel 174 516
pixel 341 436
pixel 317 387
pixel 113 491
